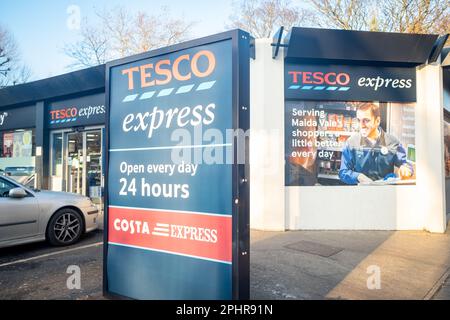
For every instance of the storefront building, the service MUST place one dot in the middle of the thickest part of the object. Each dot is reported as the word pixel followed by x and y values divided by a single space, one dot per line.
pixel 347 132
pixel 52 132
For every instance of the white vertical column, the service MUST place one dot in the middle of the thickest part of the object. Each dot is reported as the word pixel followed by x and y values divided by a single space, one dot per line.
pixel 267 192
pixel 430 147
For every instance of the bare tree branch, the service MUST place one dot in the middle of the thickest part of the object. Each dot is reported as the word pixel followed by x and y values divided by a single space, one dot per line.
pixel 120 33
pixel 91 50
pixel 261 17
pixel 410 16
pixel 12 70
pixel 8 51
pixel 345 14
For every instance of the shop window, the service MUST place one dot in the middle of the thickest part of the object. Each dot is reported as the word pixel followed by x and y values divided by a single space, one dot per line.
pixel 17 155
pixel 57 154
pixel 447 147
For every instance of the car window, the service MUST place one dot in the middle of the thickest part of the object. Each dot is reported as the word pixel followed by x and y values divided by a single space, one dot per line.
pixel 5 186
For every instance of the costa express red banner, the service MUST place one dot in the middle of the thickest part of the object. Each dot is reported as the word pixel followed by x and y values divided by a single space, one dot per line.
pixel 198 235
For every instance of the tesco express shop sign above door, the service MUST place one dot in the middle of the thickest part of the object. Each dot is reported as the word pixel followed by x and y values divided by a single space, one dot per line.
pixel 83 111
pixel 171 214
pixel 349 83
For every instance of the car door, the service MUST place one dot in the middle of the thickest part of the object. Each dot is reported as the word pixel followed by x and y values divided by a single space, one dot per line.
pixel 18 216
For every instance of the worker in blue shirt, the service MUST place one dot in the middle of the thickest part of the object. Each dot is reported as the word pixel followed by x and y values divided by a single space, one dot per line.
pixel 372 154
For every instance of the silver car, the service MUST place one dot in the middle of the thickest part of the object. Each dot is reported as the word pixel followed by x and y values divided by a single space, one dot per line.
pixel 28 215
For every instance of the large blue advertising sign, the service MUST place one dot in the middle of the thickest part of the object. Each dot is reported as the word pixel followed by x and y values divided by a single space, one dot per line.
pixel 175 201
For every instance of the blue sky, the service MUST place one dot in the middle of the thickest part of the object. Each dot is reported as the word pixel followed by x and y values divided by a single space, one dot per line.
pixel 40 27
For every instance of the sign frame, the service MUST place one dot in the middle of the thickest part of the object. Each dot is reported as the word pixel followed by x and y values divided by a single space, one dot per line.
pixel 241 53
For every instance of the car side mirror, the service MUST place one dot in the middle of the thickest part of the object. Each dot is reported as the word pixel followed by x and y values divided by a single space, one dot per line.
pixel 17 193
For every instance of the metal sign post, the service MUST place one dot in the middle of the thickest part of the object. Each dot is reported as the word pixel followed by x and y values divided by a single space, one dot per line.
pixel 177 184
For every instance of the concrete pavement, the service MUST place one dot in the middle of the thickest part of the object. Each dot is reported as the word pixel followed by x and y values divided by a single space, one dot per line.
pixel 339 264
pixel 284 265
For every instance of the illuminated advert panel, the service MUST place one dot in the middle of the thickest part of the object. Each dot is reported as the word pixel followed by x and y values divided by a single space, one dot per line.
pixel 349 125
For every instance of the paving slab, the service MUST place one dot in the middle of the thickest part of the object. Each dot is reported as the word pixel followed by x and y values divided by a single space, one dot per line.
pixel 339 264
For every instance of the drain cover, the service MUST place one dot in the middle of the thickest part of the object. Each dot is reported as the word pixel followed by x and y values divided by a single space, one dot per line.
pixel 314 248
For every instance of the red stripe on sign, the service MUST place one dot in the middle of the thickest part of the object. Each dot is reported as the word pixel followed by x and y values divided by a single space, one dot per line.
pixel 199 235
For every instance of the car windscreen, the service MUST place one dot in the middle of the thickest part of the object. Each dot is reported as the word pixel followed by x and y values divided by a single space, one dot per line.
pixel 19 171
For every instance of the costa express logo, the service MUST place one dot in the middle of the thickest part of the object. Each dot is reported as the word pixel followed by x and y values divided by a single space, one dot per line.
pixel 310 80
pixel 69 114
pixel 197 235
pixel 185 67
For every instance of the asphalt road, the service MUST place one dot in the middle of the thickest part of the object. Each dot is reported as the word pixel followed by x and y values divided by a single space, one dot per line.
pixel 40 271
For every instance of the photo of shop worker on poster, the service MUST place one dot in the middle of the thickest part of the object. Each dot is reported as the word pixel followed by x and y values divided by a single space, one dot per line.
pixel 349 143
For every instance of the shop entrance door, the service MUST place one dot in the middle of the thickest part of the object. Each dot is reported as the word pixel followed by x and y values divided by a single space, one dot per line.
pixel 76 163
pixel 93 172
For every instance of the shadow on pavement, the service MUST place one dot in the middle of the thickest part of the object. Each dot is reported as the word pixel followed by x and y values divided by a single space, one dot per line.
pixel 339 264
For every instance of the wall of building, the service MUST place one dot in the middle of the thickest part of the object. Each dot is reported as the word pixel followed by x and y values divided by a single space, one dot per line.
pixel 413 207
pixel 267 196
